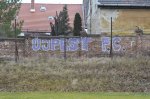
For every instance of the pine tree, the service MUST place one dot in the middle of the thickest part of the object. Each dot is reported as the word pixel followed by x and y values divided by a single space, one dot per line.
pixel 8 11
pixel 60 30
pixel 61 26
pixel 52 29
pixel 77 25
pixel 65 21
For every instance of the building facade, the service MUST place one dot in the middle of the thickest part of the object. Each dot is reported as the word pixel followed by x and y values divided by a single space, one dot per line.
pixel 126 16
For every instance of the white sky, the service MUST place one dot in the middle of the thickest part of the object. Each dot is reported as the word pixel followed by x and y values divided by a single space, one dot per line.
pixel 55 1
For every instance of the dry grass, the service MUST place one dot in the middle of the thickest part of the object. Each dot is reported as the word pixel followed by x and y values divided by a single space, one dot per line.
pixel 121 74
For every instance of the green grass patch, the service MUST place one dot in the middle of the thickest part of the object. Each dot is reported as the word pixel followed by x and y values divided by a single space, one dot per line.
pixel 74 95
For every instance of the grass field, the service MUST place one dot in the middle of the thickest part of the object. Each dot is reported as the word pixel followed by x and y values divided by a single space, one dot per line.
pixel 52 95
pixel 120 74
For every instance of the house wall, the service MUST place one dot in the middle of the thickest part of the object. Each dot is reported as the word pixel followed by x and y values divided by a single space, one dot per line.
pixel 92 17
pixel 85 9
pixel 124 21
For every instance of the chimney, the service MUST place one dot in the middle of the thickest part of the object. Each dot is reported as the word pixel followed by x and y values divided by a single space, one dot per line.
pixel 32 6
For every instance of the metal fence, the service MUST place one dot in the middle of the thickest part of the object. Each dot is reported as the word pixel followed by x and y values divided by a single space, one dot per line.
pixel 73 47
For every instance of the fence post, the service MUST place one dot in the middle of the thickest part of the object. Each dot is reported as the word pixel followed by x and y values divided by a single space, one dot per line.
pixel 80 46
pixel 16 51
pixel 111 48
pixel 24 47
pixel 65 49
pixel 16 48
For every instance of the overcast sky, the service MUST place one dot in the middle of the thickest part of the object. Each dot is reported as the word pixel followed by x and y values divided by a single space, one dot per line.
pixel 55 1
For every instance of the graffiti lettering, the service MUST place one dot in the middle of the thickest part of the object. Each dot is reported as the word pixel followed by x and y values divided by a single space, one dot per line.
pixel 55 43
pixel 36 44
pixel 106 44
pixel 72 44
pixel 45 45
pixel 116 44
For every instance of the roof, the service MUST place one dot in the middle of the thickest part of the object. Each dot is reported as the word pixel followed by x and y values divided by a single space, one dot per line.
pixel 39 21
pixel 133 3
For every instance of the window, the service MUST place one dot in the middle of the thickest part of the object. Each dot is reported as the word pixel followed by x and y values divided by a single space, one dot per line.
pixel 50 18
pixel 42 8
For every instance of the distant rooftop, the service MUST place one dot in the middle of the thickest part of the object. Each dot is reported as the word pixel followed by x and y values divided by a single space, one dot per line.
pixel 136 3
pixel 40 19
pixel 55 1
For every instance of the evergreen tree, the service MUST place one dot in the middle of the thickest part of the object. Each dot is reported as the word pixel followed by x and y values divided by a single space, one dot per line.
pixel 77 25
pixel 65 21
pixel 60 32
pixel 52 29
pixel 61 26
pixel 8 11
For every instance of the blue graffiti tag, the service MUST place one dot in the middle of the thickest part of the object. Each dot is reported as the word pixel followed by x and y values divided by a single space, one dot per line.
pixel 36 44
pixel 72 44
pixel 106 44
pixel 55 44
pixel 85 43
pixel 45 45
pixel 116 44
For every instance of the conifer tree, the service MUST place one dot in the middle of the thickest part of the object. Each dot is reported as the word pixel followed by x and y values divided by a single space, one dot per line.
pixel 77 25
pixel 64 20
pixel 61 25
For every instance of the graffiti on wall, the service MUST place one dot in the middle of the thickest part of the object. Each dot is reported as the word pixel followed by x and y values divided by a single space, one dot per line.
pixel 72 44
pixel 75 44
pixel 116 44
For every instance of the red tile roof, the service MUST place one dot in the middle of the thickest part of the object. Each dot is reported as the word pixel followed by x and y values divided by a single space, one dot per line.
pixel 38 21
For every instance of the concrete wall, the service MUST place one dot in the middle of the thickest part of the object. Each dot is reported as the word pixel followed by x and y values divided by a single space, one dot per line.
pixel 7 48
pixel 75 47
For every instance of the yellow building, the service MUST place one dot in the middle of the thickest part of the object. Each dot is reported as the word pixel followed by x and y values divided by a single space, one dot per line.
pixel 126 16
